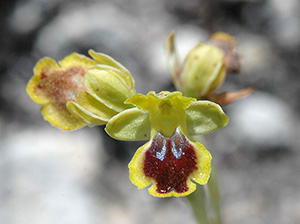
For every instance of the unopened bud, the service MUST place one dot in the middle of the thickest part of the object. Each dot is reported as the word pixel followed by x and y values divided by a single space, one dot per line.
pixel 203 71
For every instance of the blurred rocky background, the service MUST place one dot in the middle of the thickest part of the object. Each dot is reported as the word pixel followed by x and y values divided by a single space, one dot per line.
pixel 49 176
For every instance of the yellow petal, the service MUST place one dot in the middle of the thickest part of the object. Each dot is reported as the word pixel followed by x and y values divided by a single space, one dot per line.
pixel 77 60
pixel 202 174
pixel 190 184
pixel 136 171
pixel 36 94
pixel 45 63
pixel 60 117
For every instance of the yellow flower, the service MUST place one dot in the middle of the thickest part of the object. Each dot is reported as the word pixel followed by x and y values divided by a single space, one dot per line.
pixel 171 160
pixel 80 91
pixel 53 85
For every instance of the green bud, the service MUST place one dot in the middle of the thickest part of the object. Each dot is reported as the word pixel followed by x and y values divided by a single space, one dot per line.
pixel 203 71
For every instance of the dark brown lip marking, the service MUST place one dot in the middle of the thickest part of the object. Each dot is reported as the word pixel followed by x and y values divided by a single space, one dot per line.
pixel 170 161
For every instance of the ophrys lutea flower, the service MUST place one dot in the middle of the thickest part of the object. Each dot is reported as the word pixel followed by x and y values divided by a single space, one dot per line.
pixel 171 160
pixel 80 91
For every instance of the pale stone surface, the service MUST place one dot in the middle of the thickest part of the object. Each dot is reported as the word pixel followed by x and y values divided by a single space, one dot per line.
pixel 49 176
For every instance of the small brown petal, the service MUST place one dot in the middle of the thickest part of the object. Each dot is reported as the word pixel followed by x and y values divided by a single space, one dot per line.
pixel 229 97
pixel 228 44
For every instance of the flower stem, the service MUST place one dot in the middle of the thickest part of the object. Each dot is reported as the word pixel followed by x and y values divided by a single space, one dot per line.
pixel 205 201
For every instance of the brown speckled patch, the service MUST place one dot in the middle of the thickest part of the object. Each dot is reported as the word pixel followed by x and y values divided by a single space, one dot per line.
pixel 61 85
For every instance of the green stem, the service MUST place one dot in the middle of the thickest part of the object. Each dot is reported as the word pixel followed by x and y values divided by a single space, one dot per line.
pixel 205 201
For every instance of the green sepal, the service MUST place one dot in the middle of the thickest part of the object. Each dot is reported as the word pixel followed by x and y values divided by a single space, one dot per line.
pixel 85 115
pixel 107 85
pixel 166 109
pixel 173 61
pixel 130 125
pixel 141 101
pixel 107 60
pixel 90 103
pixel 203 117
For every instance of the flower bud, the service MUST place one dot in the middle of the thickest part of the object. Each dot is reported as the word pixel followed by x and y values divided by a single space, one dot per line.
pixel 203 71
